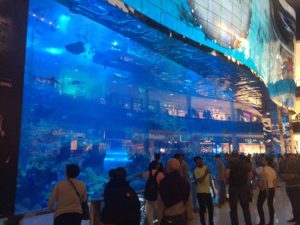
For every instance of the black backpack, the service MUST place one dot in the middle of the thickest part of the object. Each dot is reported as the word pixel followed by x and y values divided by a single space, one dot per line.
pixel 151 188
pixel 238 173
pixel 123 205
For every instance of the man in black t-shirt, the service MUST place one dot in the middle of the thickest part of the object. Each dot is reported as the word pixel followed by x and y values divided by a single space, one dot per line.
pixel 238 175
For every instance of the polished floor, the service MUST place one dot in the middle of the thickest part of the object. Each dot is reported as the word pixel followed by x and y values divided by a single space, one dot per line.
pixel 221 215
pixel 281 204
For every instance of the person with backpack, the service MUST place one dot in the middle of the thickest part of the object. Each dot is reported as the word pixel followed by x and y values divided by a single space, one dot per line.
pixel 238 174
pixel 153 176
pixel 173 198
pixel 121 203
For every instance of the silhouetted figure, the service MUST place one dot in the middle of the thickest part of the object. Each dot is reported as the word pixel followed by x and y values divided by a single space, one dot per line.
pixel 268 179
pixel 174 196
pixel 238 174
pixel 157 157
pixel 153 177
pixel 220 180
pixel 290 172
pixel 122 206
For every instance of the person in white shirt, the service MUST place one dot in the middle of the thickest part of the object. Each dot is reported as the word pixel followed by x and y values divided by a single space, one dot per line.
pixel 68 210
pixel 268 180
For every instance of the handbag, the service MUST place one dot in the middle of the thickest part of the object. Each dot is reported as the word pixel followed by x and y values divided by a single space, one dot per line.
pixel 84 205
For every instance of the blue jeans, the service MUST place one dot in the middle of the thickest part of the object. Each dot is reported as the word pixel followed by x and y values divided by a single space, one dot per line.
pixel 220 185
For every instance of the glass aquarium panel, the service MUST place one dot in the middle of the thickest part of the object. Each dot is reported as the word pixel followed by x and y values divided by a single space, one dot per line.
pixel 97 98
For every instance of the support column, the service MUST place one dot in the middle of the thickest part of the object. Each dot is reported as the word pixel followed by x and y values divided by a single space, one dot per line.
pixel 13 28
pixel 280 125
pixel 189 106
pixel 233 112
pixel 146 99
pixel 235 144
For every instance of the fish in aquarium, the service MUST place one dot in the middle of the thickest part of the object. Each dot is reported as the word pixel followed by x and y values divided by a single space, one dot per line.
pixel 225 22
pixel 75 48
pixel 77 82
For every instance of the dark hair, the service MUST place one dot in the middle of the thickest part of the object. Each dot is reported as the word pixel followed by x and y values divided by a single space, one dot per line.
pixel 153 165
pixel 112 173
pixel 176 156
pixel 218 156
pixel 72 170
pixel 197 157
pixel 235 154
pixel 120 173
pixel 157 156
pixel 270 161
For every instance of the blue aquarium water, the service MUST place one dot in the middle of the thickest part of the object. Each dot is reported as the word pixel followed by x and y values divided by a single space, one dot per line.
pixel 97 98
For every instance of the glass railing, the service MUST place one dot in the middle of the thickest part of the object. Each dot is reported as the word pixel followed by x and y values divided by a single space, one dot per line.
pixel 44 217
pixel 152 106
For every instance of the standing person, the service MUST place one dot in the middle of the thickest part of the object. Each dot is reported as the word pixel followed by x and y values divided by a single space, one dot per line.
pixel 184 168
pixel 226 161
pixel 238 175
pixel 291 176
pixel 268 178
pixel 157 157
pixel 202 177
pixel 174 192
pixel 68 210
pixel 122 206
pixel 220 180
pixel 153 176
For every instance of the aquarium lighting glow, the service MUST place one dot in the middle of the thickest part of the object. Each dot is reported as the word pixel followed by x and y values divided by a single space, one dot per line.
pixel 54 51
pixel 115 43
pixel 63 22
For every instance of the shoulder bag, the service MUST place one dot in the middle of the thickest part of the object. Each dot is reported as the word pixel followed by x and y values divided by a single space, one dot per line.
pixel 84 205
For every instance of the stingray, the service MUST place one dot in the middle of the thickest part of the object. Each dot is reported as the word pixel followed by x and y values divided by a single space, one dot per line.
pixel 75 48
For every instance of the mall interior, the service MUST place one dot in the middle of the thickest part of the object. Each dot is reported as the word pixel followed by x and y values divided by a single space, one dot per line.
pixel 109 83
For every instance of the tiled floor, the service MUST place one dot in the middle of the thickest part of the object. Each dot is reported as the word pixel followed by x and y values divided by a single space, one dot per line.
pixel 282 211
pixel 221 216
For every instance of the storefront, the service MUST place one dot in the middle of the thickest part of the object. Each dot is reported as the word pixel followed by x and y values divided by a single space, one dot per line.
pixel 251 145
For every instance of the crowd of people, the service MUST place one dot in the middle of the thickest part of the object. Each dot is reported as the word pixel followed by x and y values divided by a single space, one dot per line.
pixel 173 192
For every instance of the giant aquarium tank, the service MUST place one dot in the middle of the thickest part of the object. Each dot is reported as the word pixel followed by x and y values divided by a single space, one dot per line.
pixel 92 96
pixel 96 97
